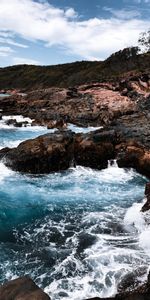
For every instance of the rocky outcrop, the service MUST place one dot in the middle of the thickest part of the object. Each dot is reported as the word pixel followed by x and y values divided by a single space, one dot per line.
pixel 47 153
pixel 22 289
pixel 95 149
pixel 133 155
pixel 58 151
pixel 95 104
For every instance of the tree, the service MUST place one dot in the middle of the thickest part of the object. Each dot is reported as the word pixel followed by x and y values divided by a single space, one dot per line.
pixel 125 54
pixel 144 40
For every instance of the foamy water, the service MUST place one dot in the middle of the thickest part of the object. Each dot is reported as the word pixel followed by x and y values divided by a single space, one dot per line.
pixel 76 233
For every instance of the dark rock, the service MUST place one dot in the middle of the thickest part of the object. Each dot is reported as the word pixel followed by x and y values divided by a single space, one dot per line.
pixel 94 149
pixel 133 155
pixel 22 289
pixel 146 206
pixel 85 240
pixel 57 151
pixel 3 152
pixel 147 189
pixel 11 122
pixel 47 153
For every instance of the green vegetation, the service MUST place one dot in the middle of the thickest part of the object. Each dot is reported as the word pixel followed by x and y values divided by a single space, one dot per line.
pixel 29 77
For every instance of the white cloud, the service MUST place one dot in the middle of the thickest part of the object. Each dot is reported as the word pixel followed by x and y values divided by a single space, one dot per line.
pixel 23 60
pixel 92 38
pixel 4 40
pixel 70 13
pixel 5 51
pixel 124 14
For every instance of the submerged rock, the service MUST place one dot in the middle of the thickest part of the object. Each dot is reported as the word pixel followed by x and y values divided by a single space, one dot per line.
pixel 140 293
pixel 22 289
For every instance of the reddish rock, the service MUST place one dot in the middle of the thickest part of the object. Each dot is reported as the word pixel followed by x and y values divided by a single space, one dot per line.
pixel 133 155
pixel 95 149
pixel 22 289
pixel 57 151
pixel 47 153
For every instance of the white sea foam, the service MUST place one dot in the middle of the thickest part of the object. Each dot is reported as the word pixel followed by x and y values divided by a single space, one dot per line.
pixel 135 217
pixel 4 172
pixel 78 129
pixel 111 174
pixel 18 118
pixel 117 249
pixel 10 144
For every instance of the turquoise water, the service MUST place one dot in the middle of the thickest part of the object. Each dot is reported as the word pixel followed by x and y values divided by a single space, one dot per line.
pixel 76 233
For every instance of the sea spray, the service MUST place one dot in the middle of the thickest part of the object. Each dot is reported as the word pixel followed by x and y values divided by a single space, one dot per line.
pixel 72 231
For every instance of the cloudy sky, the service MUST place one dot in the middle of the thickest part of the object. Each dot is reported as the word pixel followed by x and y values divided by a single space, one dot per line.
pixel 57 31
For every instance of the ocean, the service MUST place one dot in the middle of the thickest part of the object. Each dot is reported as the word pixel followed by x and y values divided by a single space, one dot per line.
pixel 78 233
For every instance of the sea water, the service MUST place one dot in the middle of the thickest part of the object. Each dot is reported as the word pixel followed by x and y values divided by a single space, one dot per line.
pixel 77 233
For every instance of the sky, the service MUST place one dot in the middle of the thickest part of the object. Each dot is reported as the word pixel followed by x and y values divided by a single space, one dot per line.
pixel 49 32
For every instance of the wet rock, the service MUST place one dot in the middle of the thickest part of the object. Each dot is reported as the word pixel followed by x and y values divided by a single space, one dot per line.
pixel 22 289
pixel 47 153
pixel 85 240
pixel 59 150
pixel 131 281
pixel 140 293
pixel 133 155
pixel 94 149
pixel 146 206
pixel 3 152
pixel 11 122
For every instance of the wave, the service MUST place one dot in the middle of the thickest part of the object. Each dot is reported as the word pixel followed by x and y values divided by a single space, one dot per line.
pixel 87 234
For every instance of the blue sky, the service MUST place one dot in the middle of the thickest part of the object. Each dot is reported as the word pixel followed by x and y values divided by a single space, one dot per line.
pixel 49 32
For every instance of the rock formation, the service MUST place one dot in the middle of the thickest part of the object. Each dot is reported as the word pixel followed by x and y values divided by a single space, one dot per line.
pixel 22 289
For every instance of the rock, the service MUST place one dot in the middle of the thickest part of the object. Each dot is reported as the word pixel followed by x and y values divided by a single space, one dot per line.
pixel 140 293
pixel 3 152
pixel 94 104
pixel 133 155
pixel 147 189
pixel 94 149
pixel 51 125
pixel 47 153
pixel 146 206
pixel 11 122
pixel 22 289
pixel 20 124
pixel 57 151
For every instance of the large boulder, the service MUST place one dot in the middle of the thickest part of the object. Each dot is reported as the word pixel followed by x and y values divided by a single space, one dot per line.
pixel 22 289
pixel 134 155
pixel 47 153
pixel 58 151
pixel 95 149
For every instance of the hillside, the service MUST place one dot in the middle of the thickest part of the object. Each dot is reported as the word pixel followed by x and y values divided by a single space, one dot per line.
pixel 28 77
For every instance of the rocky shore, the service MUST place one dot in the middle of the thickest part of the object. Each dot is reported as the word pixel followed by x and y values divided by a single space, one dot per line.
pixel 121 108
pixel 25 289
